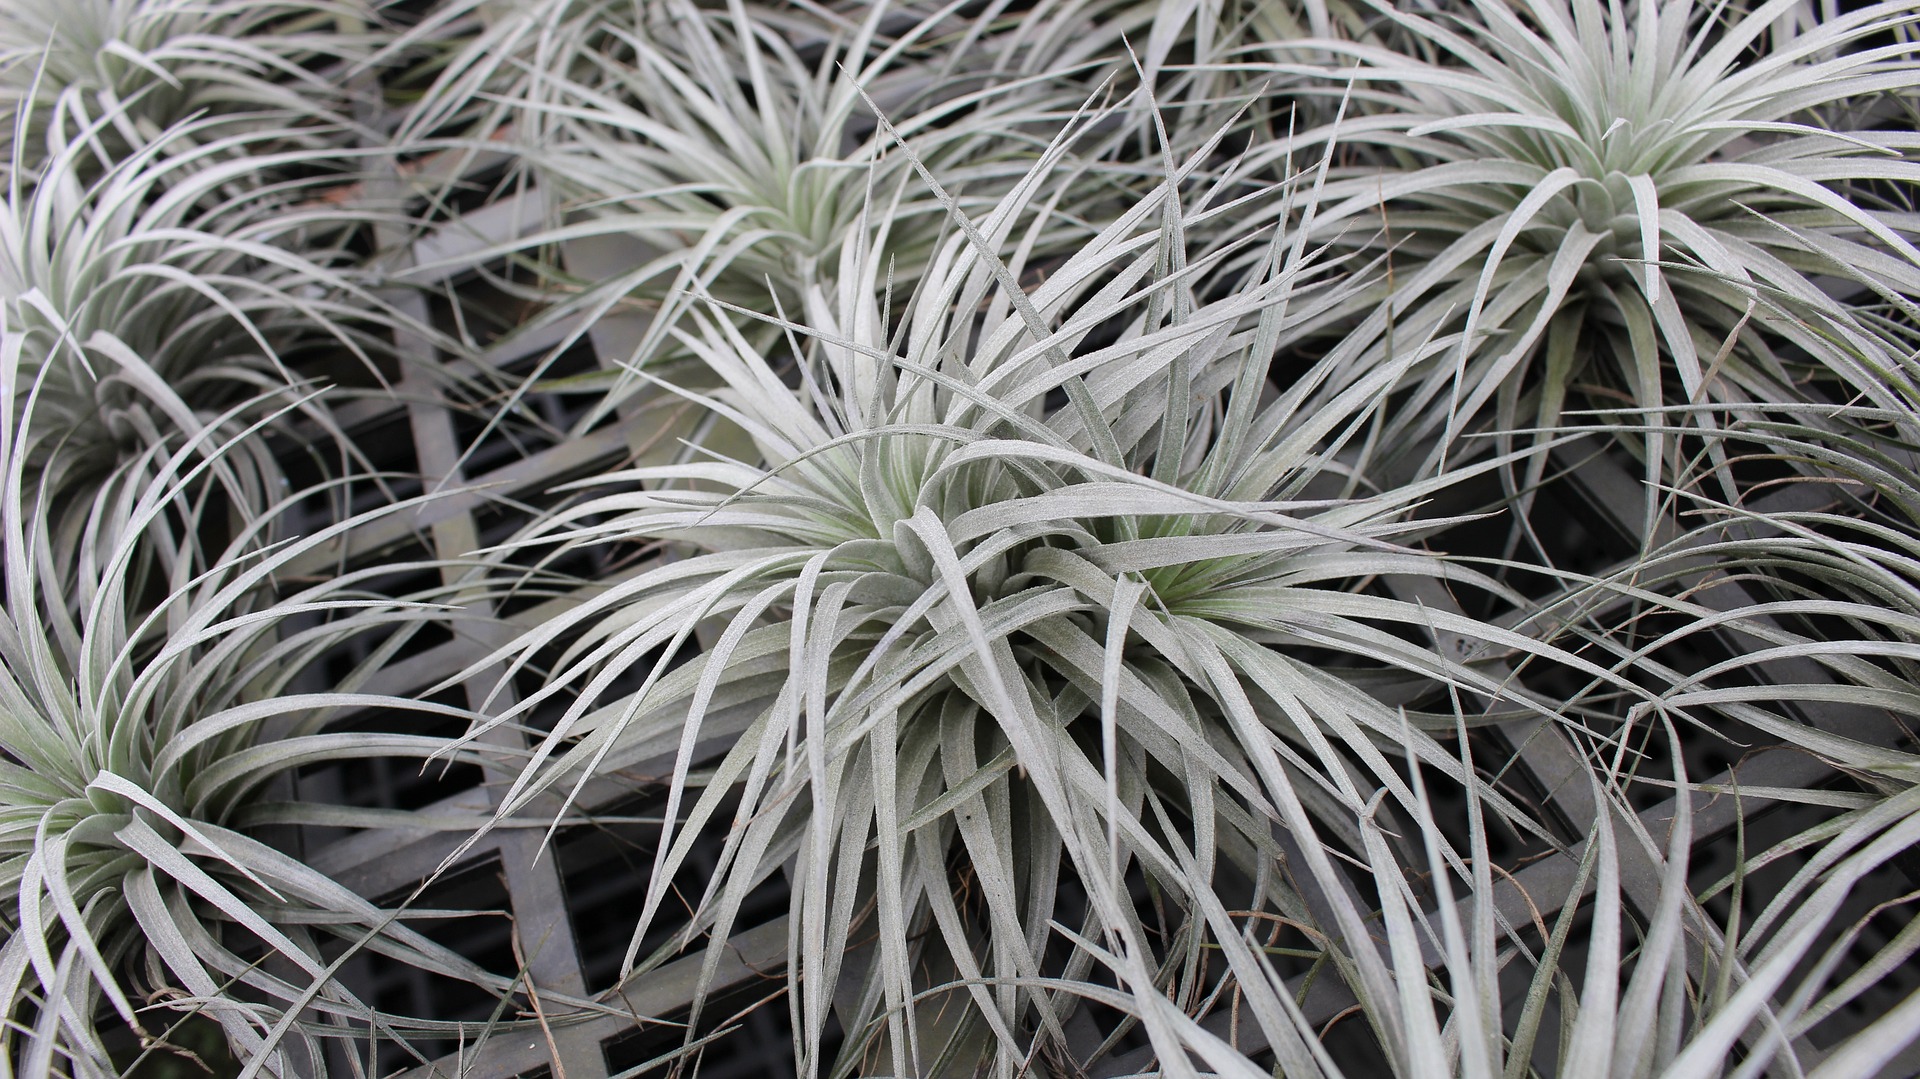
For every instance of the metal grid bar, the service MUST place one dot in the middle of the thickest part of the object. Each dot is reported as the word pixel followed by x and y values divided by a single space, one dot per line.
pixel 542 931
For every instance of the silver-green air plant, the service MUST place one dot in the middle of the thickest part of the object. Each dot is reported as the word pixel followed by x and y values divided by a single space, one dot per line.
pixel 141 744
pixel 146 302
pixel 727 151
pixel 1606 205
pixel 1018 578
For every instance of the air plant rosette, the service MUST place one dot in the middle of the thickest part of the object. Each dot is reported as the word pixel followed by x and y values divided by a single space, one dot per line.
pixel 1016 593
pixel 154 300
pixel 728 153
pixel 143 745
pixel 1592 205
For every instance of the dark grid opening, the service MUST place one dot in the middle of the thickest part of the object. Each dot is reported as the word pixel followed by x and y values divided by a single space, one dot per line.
pixel 606 868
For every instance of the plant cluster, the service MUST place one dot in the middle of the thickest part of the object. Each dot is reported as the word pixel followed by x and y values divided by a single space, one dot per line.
pixel 178 280
pixel 1131 566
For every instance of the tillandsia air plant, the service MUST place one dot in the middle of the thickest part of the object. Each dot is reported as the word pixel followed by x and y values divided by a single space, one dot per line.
pixel 1048 590
pixel 729 151
pixel 1595 205
pixel 141 745
pixel 147 302
pixel 120 73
